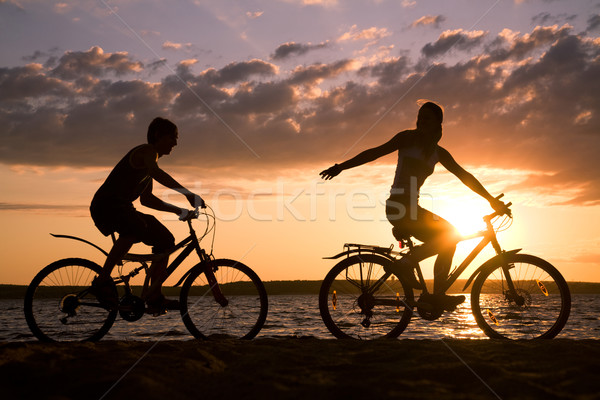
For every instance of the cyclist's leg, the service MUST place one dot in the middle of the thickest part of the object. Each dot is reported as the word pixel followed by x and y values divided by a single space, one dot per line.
pixel 441 238
pixel 121 218
pixel 116 254
pixel 437 234
pixel 441 270
pixel 160 238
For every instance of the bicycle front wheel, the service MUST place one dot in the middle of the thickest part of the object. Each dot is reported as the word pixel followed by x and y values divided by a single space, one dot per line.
pixel 539 308
pixel 59 307
pixel 358 301
pixel 241 317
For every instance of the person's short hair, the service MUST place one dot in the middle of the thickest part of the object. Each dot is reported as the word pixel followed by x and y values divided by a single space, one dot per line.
pixel 160 127
pixel 437 110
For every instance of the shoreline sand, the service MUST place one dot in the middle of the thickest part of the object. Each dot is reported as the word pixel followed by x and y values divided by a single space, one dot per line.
pixel 300 368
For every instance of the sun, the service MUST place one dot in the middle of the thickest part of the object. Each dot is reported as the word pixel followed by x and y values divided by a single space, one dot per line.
pixel 466 214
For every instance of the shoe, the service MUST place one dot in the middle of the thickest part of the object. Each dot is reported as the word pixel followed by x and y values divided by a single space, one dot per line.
pixel 160 305
pixel 104 290
pixel 405 269
pixel 449 303
pixel 446 302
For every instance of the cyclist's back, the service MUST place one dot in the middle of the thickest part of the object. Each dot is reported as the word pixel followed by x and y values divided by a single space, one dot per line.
pixel 122 187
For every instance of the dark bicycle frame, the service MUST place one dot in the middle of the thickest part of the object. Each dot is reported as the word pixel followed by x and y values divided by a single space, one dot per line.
pixel 189 244
pixel 489 236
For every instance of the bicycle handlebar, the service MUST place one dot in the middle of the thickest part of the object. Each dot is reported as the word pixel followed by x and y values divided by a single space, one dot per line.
pixel 191 214
pixel 505 211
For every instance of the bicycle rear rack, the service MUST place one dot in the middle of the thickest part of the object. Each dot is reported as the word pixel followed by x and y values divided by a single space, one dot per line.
pixel 360 248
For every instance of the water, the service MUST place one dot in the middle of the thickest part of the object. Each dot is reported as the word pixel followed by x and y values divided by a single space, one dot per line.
pixel 298 316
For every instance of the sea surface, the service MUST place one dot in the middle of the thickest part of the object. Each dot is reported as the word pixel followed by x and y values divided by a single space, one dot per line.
pixel 298 316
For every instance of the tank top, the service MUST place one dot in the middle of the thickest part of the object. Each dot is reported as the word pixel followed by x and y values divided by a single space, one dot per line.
pixel 125 183
pixel 414 166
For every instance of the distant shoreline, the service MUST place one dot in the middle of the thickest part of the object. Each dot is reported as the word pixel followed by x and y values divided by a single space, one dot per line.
pixel 297 287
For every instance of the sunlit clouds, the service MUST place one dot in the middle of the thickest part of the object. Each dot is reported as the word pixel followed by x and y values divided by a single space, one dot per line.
pixel 515 92
pixel 433 20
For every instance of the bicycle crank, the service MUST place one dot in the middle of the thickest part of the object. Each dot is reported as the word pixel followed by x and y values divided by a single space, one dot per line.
pixel 131 308
pixel 69 305
pixel 428 311
pixel 366 302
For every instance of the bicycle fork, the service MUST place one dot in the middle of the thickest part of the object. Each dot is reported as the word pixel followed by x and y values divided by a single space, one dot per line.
pixel 211 278
pixel 511 293
pixel 214 286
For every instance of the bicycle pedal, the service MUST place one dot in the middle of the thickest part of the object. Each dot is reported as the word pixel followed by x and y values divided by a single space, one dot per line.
pixel 155 312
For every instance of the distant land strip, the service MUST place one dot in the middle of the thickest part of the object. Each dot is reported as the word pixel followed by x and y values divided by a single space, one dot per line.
pixel 298 287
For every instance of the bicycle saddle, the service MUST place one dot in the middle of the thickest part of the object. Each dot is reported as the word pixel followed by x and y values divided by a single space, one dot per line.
pixel 400 235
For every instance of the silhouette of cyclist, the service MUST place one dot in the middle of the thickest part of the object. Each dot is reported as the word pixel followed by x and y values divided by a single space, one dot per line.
pixel 112 211
pixel 418 153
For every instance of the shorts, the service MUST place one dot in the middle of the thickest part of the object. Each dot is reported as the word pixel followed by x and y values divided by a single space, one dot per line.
pixel 126 220
pixel 410 219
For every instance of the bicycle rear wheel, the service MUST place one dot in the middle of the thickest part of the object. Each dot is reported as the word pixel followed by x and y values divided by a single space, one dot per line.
pixel 541 307
pixel 352 304
pixel 245 312
pixel 58 305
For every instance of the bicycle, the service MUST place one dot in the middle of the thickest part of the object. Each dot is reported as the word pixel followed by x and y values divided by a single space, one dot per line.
pixel 218 297
pixel 514 295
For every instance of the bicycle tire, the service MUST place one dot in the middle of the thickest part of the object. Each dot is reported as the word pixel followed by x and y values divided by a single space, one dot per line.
pixel 244 315
pixel 542 290
pixel 345 308
pixel 58 308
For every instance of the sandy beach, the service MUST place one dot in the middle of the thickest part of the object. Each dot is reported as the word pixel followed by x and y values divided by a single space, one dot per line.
pixel 301 368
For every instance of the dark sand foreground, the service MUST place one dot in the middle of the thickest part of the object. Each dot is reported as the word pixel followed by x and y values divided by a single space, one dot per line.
pixel 298 368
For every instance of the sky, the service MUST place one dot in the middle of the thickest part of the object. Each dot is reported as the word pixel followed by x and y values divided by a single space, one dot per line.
pixel 266 94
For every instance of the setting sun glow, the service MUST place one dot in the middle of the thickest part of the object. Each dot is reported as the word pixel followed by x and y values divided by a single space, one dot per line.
pixel 466 215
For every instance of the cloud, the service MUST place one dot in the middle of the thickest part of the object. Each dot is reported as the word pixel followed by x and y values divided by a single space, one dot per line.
pixel 317 72
pixel 40 207
pixel 544 18
pixel 239 71
pixel 521 100
pixel 94 62
pixel 593 22
pixel 457 39
pixel 168 45
pixel 389 72
pixel 324 3
pixel 291 48
pixel 509 44
pixel 155 65
pixel 433 20
pixel 254 15
pixel 372 34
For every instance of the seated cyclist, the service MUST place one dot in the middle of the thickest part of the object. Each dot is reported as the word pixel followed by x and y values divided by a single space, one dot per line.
pixel 112 211
pixel 418 153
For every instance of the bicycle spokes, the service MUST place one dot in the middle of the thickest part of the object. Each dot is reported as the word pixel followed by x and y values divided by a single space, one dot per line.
pixel 359 299
pixel 532 300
